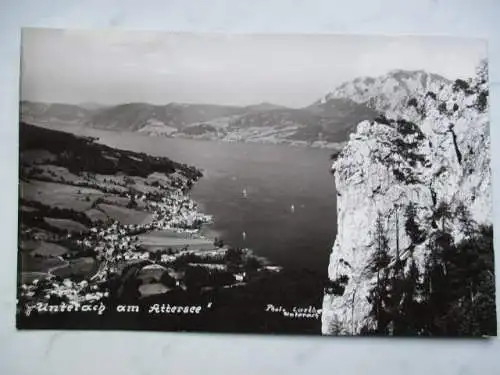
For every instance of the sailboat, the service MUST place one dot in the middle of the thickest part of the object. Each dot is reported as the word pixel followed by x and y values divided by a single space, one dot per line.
pixel 244 235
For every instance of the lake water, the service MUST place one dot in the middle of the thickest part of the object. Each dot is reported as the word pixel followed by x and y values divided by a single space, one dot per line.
pixel 277 200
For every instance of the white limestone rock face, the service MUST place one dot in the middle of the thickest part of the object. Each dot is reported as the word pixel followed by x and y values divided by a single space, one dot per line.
pixel 430 147
pixel 384 92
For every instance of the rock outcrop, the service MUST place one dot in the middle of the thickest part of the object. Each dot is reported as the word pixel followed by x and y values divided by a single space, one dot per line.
pixel 430 147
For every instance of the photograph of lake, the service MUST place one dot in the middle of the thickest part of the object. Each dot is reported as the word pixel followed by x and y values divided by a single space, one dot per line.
pixel 275 184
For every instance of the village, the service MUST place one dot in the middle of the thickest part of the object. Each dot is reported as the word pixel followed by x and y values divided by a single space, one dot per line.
pixel 164 265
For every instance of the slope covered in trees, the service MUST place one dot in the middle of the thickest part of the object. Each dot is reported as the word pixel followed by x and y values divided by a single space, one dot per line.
pixel 454 294
pixel 83 154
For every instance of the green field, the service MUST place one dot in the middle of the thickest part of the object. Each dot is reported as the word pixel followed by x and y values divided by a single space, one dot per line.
pixel 29 277
pixel 126 215
pixel 83 267
pixel 67 224
pixel 96 215
pixel 49 249
pixel 38 264
pixel 59 195
pixel 152 289
pixel 149 273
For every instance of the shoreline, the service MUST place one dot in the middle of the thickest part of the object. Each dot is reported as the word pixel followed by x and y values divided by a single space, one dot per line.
pixel 119 246
pixel 83 130
pixel 131 264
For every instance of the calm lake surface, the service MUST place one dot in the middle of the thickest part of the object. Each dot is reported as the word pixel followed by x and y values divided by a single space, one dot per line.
pixel 277 200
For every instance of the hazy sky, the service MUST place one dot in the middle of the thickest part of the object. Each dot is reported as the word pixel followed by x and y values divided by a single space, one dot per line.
pixel 111 66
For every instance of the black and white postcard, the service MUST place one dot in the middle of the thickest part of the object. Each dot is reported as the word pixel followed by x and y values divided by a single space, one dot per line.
pixel 296 184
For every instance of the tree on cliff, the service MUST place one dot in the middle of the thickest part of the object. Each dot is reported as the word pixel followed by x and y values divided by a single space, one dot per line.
pixel 397 282
pixel 436 281
pixel 378 266
pixel 443 213
pixel 460 287
pixel 412 229
pixel 393 297
pixel 464 217
pixel 408 320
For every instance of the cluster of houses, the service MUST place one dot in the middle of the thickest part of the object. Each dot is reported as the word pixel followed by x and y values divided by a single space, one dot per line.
pixel 117 244
pixel 176 212
pixel 69 291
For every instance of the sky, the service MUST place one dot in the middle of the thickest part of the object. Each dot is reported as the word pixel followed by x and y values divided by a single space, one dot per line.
pixel 114 67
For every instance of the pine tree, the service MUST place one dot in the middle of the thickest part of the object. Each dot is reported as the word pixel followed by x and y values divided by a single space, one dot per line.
pixel 410 307
pixel 396 287
pixel 472 285
pixel 443 213
pixel 378 265
pixel 398 269
pixel 412 229
pixel 437 274
pixel 436 282
pixel 380 258
pixel 464 217
pixel 459 285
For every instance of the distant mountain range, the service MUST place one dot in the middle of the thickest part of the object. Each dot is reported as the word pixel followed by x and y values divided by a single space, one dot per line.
pixel 327 122
pixel 46 112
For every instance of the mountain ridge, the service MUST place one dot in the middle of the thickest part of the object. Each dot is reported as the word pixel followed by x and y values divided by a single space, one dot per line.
pixel 324 123
pixel 385 91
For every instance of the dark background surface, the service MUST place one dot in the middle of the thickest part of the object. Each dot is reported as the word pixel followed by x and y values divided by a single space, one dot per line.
pixel 131 352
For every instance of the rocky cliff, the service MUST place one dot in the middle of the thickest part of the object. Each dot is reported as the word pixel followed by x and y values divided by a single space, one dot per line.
pixel 431 147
